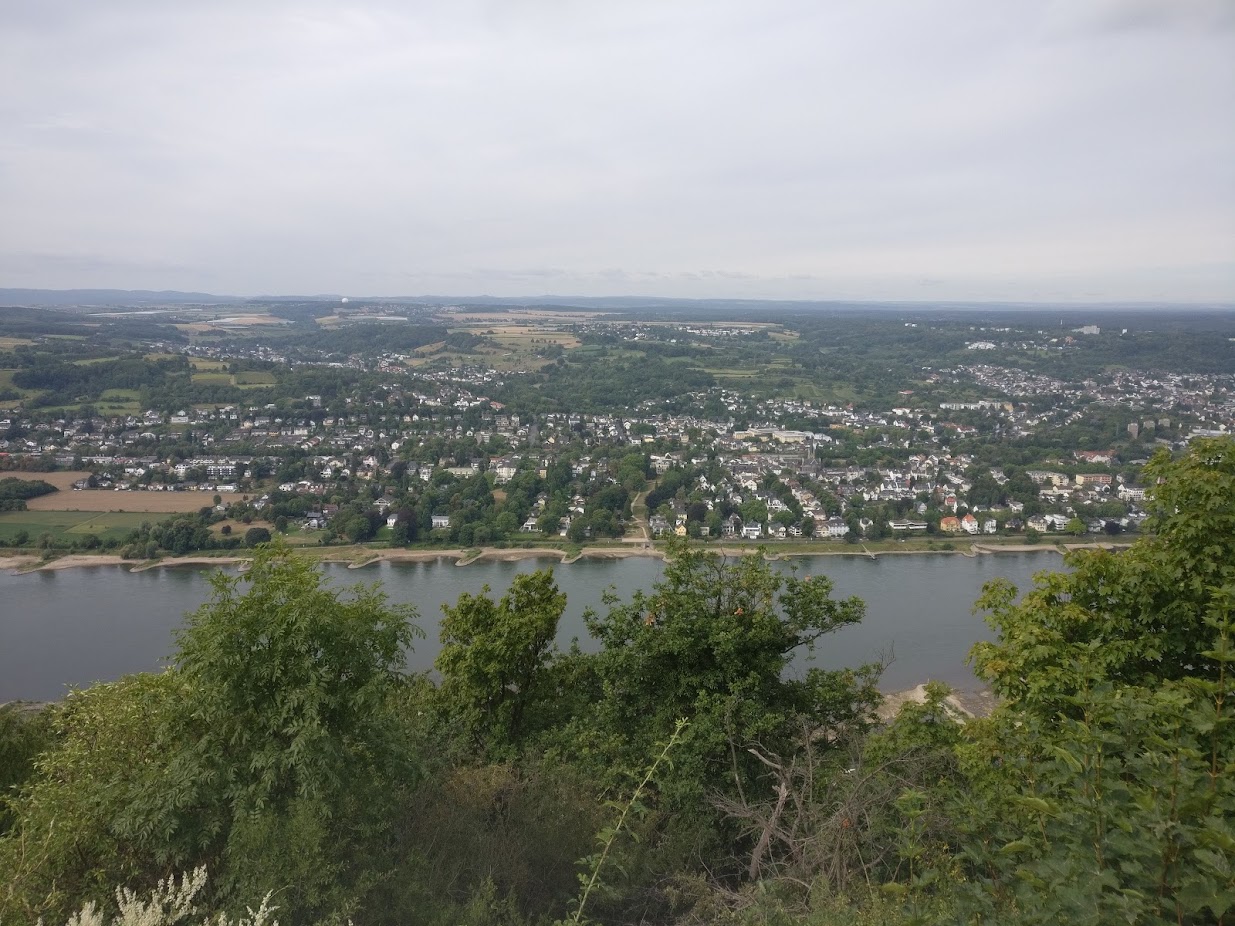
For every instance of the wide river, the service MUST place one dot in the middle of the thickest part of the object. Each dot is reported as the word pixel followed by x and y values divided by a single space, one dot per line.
pixel 76 626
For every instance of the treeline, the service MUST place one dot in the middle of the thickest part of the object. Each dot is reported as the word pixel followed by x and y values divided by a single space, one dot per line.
pixel 66 383
pixel 675 773
pixel 14 493
pixel 600 384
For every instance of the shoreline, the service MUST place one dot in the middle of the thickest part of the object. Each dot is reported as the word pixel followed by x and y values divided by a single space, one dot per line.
pixel 962 704
pixel 21 563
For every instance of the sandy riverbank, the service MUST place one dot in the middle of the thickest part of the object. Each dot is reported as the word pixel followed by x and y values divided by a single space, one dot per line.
pixel 962 704
pixel 359 557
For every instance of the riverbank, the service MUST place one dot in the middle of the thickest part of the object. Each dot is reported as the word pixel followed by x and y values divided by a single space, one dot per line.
pixel 356 557
pixel 961 704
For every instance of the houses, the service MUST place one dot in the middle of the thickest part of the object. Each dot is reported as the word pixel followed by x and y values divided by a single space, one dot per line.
pixel 950 525
pixel 906 525
pixel 835 527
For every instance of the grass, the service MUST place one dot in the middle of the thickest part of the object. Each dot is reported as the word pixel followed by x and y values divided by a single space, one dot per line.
pixel 206 366
pixel 216 379
pixel 10 343
pixel 254 378
pixel 69 524
pixel 119 401
pixel 6 382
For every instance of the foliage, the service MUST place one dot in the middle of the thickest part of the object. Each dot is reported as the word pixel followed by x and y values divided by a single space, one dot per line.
pixel 170 902
pixel 610 834
pixel 24 734
pixel 255 535
pixel 269 750
pixel 64 849
pixel 1131 617
pixel 492 659
pixel 711 644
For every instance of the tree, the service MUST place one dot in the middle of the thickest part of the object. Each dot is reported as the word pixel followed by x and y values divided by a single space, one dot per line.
pixel 255 535
pixel 1131 618
pixel 711 643
pixel 284 750
pixel 492 658
pixel 64 847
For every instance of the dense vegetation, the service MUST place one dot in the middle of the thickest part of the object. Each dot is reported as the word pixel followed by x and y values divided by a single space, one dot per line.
pixel 15 492
pixel 677 775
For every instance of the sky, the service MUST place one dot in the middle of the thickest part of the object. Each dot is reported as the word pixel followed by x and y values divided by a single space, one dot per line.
pixel 1021 150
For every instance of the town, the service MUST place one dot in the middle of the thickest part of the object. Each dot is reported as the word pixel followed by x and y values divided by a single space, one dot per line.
pixel 451 426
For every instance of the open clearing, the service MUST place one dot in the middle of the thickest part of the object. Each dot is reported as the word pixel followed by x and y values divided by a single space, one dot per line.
pixel 254 378
pixel 215 379
pixel 10 343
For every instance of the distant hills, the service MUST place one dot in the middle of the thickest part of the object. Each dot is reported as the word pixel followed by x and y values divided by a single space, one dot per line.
pixel 118 298
pixel 109 297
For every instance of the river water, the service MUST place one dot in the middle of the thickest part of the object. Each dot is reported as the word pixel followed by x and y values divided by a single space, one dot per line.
pixel 76 626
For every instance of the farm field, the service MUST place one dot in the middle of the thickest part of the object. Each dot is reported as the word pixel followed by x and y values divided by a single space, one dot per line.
pixel 254 378
pixel 219 376
pixel 69 524
pixel 87 500
pixel 110 500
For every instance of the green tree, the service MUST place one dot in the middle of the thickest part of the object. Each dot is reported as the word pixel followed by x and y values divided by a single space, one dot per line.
pixel 711 643
pixel 65 847
pixel 255 535
pixel 493 659
pixel 1133 618
pixel 285 754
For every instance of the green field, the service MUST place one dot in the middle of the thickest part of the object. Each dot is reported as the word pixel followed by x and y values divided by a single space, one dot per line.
pixel 254 378
pixel 71 524
pixel 212 378
pixel 6 381
pixel 119 402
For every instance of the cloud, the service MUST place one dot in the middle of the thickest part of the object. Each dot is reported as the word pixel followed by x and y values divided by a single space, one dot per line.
pixel 705 147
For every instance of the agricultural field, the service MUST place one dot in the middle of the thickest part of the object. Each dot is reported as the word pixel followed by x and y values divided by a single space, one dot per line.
pixel 214 373
pixel 110 500
pixel 68 524
pixel 10 343
pixel 253 378
pixel 215 378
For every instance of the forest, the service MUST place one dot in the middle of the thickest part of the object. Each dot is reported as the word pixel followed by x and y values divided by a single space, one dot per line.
pixel 286 764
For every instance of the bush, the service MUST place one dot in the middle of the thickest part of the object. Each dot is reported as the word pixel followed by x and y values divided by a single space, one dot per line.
pixel 255 535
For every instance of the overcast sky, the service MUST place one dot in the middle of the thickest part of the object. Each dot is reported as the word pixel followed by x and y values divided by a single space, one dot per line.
pixel 880 149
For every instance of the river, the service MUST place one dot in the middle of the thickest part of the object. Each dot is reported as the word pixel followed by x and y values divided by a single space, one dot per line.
pixel 75 626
